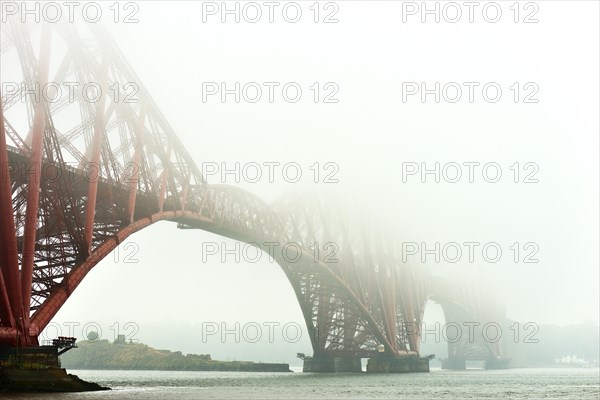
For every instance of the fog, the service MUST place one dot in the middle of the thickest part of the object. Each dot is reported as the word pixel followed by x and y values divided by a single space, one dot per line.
pixel 373 140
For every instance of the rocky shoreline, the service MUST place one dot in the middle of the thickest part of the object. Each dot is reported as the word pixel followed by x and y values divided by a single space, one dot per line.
pixel 43 380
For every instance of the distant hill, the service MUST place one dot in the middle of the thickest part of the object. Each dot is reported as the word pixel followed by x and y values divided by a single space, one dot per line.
pixel 103 354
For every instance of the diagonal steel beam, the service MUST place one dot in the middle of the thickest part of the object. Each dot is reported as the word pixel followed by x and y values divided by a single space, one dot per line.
pixel 35 177
pixel 10 287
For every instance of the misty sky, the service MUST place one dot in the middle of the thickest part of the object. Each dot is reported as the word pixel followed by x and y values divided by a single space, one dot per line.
pixel 369 134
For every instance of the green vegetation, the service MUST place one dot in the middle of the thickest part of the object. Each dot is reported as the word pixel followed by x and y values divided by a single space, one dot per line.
pixel 105 355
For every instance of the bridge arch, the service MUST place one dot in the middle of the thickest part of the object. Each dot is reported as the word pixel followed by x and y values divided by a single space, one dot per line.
pixel 337 321
pixel 119 168
pixel 466 309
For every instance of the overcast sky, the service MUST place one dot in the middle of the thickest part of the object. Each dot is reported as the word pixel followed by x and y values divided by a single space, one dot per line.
pixel 369 58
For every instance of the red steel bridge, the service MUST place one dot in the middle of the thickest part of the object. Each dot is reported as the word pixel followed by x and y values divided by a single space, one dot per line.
pixel 79 176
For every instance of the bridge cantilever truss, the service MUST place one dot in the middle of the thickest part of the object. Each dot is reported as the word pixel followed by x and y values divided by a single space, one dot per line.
pixel 80 176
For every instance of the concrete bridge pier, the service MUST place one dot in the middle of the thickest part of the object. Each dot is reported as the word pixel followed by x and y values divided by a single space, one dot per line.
pixel 497 363
pixel 455 363
pixel 390 364
pixel 343 364
pixel 332 364
pixel 318 364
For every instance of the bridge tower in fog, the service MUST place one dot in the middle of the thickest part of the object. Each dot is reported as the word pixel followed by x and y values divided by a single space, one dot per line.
pixel 480 330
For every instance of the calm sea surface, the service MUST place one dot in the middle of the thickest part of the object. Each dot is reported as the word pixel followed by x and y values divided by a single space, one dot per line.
pixel 548 383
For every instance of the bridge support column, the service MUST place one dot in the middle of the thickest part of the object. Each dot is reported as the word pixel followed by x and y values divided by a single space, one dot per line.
pixel 454 363
pixel 343 364
pixel 497 363
pixel 397 364
pixel 332 364
pixel 319 364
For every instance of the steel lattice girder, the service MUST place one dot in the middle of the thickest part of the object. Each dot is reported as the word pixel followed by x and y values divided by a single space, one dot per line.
pixel 111 168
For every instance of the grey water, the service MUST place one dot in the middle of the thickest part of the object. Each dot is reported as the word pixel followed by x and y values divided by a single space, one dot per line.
pixel 530 383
